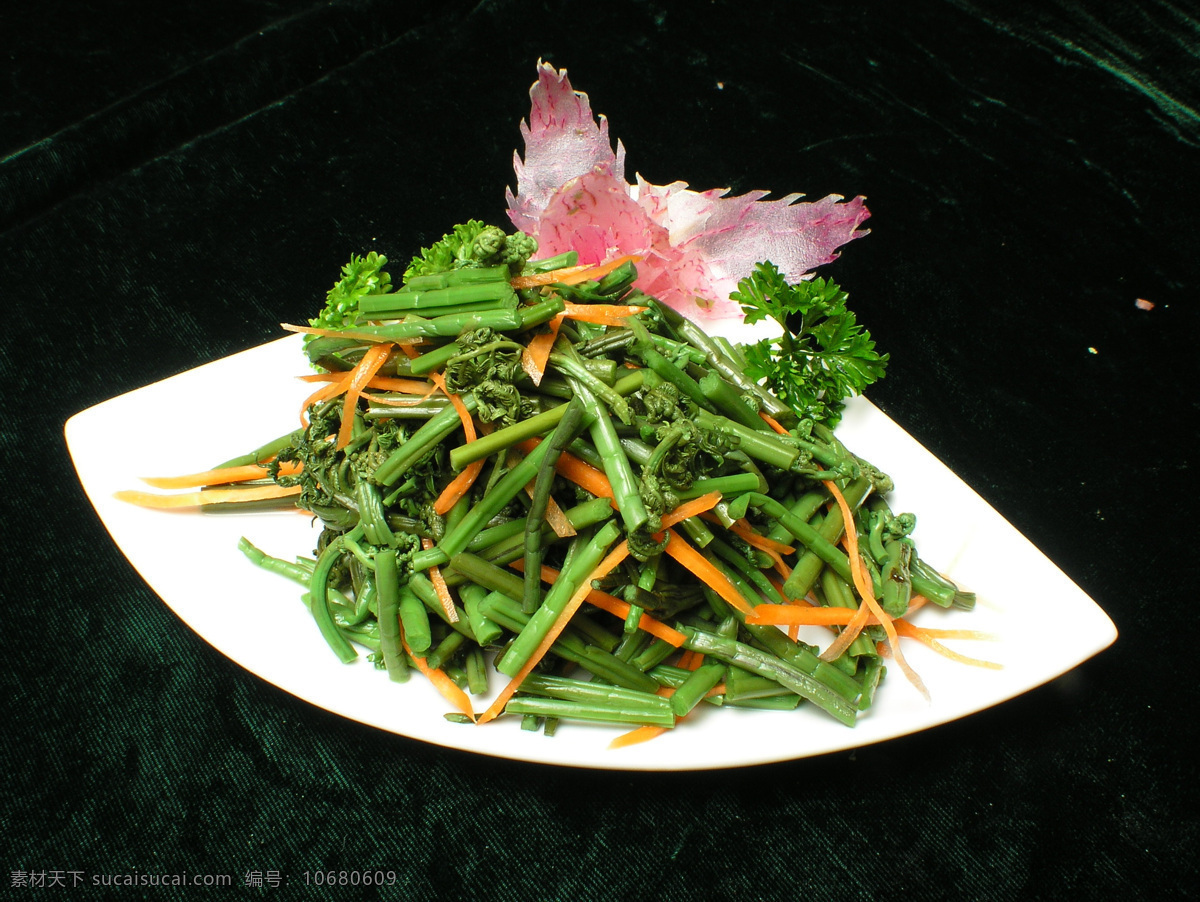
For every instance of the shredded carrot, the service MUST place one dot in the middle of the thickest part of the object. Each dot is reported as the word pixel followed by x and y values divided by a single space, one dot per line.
pixel 777 585
pixel 537 280
pixel 615 606
pixel 332 390
pixel 395 383
pixel 577 471
pixel 606 566
pixel 203 499
pixel 773 423
pixel 571 275
pixel 440 587
pixel 690 659
pixel 446 686
pixel 929 637
pixel 804 615
pixel 221 476
pixel 393 402
pixel 646 623
pixel 537 352
pixel 461 484
pixel 742 529
pixel 599 271
pixel 601 314
pixel 457 487
pixel 640 734
pixel 772 549
pixel 709 574
pixel 691 508
pixel 468 424
pixel 375 357
pixel 862 582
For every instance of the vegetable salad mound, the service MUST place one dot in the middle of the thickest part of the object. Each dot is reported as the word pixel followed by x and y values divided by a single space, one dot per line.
pixel 535 471
pixel 542 481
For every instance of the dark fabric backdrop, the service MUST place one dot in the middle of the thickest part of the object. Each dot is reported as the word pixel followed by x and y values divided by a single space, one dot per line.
pixel 178 178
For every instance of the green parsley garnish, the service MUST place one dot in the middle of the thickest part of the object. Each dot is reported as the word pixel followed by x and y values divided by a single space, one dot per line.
pixel 823 355
pixel 360 277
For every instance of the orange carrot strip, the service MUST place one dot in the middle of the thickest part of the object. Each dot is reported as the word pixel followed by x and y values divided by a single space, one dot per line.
pixel 601 314
pixel 743 530
pixel 598 271
pixel 570 275
pixel 457 487
pixel 461 484
pixel 446 686
pixel 926 637
pixel 691 508
pixel 538 279
pixel 372 360
pixel 773 423
pixel 606 566
pixel 577 471
pixel 537 352
pixel 803 615
pixel 203 499
pixel 869 605
pixel 774 550
pixel 699 565
pixel 468 424
pixel 555 516
pixel 690 660
pixel 633 737
pixel 394 383
pixel 915 604
pixel 647 624
pixel 615 606
pixel 332 390
pixel 440 587
pixel 222 476
pixel 393 402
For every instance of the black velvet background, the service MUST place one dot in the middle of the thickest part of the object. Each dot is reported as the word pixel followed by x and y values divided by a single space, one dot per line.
pixel 177 179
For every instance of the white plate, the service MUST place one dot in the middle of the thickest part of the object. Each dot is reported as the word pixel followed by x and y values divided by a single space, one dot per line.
pixel 1043 623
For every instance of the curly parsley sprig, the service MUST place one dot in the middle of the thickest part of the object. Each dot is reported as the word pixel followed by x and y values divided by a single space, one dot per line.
pixel 362 276
pixel 823 356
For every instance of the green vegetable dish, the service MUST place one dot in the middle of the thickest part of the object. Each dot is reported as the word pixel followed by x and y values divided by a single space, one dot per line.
pixel 539 485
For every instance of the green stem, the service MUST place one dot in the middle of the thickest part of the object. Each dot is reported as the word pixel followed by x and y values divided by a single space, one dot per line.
pixel 563 435
pixel 538 425
pixel 626 488
pixel 424 440
pixel 387 590
pixel 590 711
pixel 588 553
pixel 749 658
pixel 318 588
